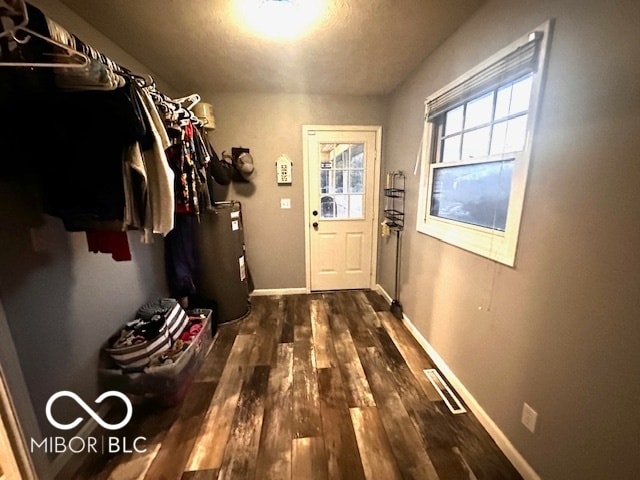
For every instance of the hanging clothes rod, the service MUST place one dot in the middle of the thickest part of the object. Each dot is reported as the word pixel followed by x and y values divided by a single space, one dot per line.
pixel 21 34
pixel 75 53
pixel 14 16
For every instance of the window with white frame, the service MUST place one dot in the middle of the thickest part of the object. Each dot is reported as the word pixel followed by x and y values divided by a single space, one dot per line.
pixel 477 147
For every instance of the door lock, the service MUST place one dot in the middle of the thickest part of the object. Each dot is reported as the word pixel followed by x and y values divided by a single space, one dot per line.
pixel 315 213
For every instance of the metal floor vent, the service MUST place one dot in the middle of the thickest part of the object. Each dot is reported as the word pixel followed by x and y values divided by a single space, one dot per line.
pixel 445 392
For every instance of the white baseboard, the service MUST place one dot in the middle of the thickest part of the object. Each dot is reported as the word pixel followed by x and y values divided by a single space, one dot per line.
pixel 515 457
pixel 278 291
pixel 384 293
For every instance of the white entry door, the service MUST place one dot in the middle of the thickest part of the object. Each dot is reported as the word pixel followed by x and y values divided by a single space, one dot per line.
pixel 341 175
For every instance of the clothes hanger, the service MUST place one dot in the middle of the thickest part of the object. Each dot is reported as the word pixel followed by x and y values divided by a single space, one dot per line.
pixel 78 59
pixel 70 57
pixel 193 99
pixel 13 9
pixel 144 81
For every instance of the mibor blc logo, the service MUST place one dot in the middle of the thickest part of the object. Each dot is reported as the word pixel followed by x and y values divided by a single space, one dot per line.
pixel 90 444
pixel 90 411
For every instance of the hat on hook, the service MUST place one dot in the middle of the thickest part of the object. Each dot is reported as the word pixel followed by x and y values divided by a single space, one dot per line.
pixel 243 163
pixel 204 112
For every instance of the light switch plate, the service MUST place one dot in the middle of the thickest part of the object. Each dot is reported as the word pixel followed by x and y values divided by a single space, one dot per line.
pixel 285 203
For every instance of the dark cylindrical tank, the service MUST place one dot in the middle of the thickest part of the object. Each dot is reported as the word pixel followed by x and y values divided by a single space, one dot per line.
pixel 223 273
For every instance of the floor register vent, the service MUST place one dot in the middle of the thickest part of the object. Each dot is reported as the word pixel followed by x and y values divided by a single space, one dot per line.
pixel 445 392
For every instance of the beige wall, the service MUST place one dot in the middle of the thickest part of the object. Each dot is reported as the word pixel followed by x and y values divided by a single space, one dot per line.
pixel 561 330
pixel 271 125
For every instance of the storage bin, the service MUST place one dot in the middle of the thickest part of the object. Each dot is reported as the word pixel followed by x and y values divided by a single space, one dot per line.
pixel 130 350
pixel 165 384
pixel 137 355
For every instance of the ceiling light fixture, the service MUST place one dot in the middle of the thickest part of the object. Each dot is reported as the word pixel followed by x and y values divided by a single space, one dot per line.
pixel 279 19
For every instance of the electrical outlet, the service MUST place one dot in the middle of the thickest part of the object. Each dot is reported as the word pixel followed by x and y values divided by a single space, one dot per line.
pixel 529 417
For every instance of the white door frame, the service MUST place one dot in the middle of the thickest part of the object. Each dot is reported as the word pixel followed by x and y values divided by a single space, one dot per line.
pixel 306 129
pixel 18 422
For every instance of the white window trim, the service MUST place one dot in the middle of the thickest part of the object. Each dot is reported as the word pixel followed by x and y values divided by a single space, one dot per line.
pixel 498 246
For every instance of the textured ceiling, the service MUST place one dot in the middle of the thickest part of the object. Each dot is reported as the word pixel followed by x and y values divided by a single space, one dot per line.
pixel 359 47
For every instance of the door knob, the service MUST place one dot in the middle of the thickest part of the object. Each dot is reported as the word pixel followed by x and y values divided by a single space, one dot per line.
pixel 315 224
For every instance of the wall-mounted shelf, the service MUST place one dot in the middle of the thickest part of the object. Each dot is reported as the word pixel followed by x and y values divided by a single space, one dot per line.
pixel 394 200
pixel 394 221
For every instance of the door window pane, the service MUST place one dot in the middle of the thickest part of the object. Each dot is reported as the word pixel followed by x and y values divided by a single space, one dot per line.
pixel 355 181
pixel 355 206
pixel 357 161
pixel 338 186
pixel 341 180
pixel 357 155
pixel 342 206
pixel 325 181
pixel 327 207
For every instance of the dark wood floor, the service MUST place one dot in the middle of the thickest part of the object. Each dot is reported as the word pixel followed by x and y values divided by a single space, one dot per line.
pixel 320 386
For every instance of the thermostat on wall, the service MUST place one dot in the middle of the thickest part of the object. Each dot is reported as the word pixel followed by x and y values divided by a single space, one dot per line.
pixel 283 170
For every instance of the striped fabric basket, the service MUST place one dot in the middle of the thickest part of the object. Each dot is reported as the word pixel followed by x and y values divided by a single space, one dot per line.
pixel 176 320
pixel 137 355
pixel 132 351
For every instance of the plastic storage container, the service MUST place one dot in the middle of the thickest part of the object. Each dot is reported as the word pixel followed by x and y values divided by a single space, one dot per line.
pixel 164 384
pixel 223 273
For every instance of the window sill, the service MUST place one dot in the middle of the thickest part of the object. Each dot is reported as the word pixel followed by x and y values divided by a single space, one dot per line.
pixel 494 245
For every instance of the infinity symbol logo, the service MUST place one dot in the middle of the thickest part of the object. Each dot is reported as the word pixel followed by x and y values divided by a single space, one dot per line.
pixel 89 410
